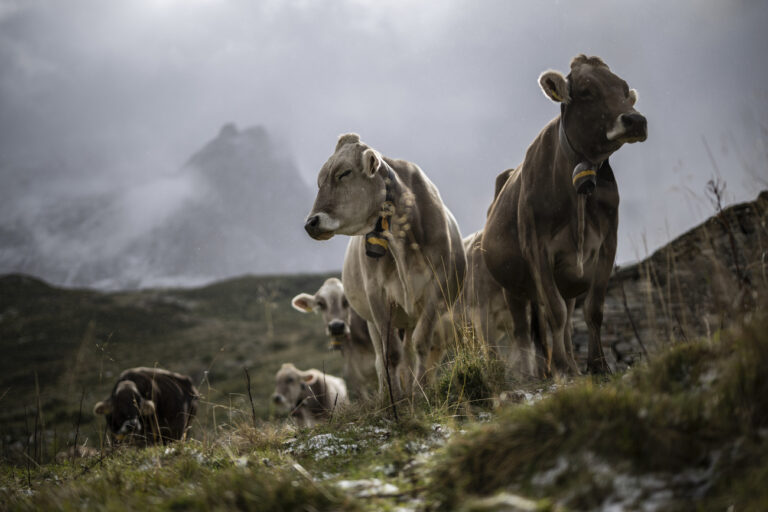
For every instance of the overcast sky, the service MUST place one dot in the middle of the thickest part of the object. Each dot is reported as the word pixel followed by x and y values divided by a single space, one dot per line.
pixel 97 94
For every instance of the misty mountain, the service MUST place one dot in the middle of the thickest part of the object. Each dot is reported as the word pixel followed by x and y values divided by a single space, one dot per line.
pixel 236 207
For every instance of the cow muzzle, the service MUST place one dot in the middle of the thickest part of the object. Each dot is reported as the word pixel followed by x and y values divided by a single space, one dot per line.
pixel 314 227
pixel 629 128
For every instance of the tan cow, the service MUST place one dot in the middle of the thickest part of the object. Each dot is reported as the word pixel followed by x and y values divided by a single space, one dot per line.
pixel 551 231
pixel 347 330
pixel 483 299
pixel 309 396
pixel 405 262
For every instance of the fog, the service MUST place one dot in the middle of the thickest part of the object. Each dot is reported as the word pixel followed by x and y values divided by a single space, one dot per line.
pixel 105 102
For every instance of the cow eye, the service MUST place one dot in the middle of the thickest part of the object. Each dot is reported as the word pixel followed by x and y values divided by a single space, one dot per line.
pixel 344 174
pixel 321 304
pixel 344 303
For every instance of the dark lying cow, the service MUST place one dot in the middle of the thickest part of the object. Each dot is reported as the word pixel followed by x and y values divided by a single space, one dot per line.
pixel 148 405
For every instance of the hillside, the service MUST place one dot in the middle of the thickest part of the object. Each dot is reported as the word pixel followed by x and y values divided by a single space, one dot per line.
pixel 681 428
pixel 693 286
pixel 78 341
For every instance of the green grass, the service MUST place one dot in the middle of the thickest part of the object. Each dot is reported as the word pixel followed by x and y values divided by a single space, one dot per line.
pixel 699 406
pixel 78 341
pixel 693 419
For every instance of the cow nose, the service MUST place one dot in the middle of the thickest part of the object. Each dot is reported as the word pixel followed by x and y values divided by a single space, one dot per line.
pixel 312 224
pixel 634 123
pixel 337 327
pixel 276 398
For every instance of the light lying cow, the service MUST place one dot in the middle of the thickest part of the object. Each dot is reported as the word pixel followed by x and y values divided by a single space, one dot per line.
pixel 405 262
pixel 347 330
pixel 148 405
pixel 551 231
pixel 308 396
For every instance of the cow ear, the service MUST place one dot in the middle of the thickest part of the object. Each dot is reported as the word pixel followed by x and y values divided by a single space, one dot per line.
pixel 147 408
pixel 303 302
pixel 633 95
pixel 347 138
pixel 555 86
pixel 309 378
pixel 103 408
pixel 371 162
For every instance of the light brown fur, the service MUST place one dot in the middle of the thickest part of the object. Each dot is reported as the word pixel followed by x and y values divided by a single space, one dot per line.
pixel 421 273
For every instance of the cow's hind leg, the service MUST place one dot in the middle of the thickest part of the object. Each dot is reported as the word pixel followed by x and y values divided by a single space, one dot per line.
pixel 543 348
pixel 422 340
pixel 521 333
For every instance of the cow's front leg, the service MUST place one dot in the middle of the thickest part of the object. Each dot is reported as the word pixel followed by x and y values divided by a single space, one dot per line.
pixel 556 311
pixel 388 348
pixel 593 315
pixel 571 304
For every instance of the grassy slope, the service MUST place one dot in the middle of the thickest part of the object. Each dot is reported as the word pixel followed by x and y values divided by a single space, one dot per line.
pixel 688 427
pixel 77 340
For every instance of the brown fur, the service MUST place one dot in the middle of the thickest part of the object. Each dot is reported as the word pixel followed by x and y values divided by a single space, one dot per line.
pixel 170 396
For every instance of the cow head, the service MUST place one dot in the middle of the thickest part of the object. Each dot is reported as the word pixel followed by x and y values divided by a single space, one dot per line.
pixel 291 386
pixel 598 107
pixel 331 303
pixel 351 191
pixel 124 411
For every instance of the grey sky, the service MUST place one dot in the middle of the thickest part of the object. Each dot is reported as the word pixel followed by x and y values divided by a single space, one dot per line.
pixel 97 94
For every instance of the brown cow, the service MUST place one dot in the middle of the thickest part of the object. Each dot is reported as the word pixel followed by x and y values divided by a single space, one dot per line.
pixel 347 330
pixel 148 405
pixel 405 262
pixel 551 232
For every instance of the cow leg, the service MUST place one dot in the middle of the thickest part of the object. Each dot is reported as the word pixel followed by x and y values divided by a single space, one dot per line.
pixel 353 358
pixel 593 305
pixel 379 356
pixel 422 341
pixel 556 310
pixel 389 350
pixel 571 304
pixel 521 332
pixel 539 334
pixel 593 315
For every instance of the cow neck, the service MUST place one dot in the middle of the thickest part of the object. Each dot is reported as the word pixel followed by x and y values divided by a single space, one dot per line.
pixel 584 174
pixel 376 243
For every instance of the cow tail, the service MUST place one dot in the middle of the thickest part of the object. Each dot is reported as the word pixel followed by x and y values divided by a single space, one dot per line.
pixel 580 216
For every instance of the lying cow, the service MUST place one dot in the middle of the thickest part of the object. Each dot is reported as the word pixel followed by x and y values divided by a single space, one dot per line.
pixel 551 231
pixel 308 396
pixel 405 261
pixel 347 331
pixel 148 405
